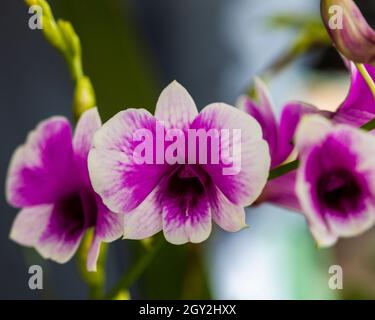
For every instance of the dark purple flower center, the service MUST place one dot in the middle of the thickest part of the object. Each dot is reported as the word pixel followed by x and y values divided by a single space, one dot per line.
pixel 185 183
pixel 339 191
pixel 76 212
pixel 70 217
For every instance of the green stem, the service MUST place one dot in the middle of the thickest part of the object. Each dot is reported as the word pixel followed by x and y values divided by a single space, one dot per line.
pixel 135 271
pixel 63 37
pixel 366 76
pixel 283 169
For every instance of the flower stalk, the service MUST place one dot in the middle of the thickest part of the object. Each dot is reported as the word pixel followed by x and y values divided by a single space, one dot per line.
pixel 61 35
pixel 135 271
pixel 366 76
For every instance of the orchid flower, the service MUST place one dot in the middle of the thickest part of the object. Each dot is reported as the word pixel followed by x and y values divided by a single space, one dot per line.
pixel 279 136
pixel 179 198
pixel 335 179
pixel 48 179
pixel 349 30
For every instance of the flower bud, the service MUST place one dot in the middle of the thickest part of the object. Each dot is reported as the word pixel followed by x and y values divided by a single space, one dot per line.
pixel 349 30
pixel 84 97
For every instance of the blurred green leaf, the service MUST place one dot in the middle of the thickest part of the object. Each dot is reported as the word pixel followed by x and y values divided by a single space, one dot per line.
pixel 295 21
pixel 176 272
pixel 114 55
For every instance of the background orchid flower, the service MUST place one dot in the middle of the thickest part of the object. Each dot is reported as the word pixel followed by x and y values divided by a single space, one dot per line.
pixel 336 178
pixel 349 30
pixel 279 136
pixel 357 109
pixel 180 199
pixel 48 178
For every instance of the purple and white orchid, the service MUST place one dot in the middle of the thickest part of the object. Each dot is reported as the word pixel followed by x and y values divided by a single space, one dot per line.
pixel 336 178
pixel 357 109
pixel 279 191
pixel 48 179
pixel 279 136
pixel 182 198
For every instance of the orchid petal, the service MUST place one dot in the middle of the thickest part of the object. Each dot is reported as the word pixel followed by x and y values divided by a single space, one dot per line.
pixel 145 220
pixel 39 169
pixel 175 107
pixel 115 175
pixel 87 125
pixel 227 215
pixel 359 106
pixel 63 233
pixel 186 223
pixel 311 130
pixel 290 118
pixel 262 111
pixel 281 192
pixel 30 224
pixel 93 254
pixel 108 226
pixel 247 182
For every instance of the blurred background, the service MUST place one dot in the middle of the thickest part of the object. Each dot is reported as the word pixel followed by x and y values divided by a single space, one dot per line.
pixel 131 50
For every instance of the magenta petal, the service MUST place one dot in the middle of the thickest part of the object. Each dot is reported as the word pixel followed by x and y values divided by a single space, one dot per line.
pixel 359 105
pixel 108 225
pixel 87 125
pixel 116 176
pixel 290 117
pixel 42 169
pixel 262 111
pixel 281 192
pixel 30 224
pixel 184 222
pixel 186 206
pixel 246 183
pixel 61 237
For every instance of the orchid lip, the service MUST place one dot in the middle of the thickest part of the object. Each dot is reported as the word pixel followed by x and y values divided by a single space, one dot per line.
pixel 335 179
pixel 187 185
pixel 339 191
